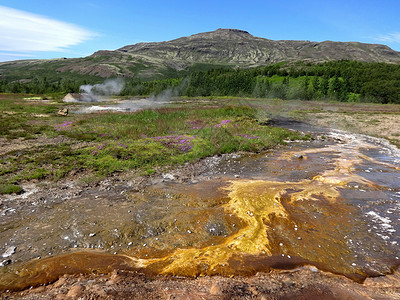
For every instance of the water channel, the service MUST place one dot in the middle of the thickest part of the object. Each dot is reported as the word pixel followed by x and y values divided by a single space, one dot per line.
pixel 332 203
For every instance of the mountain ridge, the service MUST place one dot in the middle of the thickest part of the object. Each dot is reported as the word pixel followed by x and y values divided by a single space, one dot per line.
pixel 244 48
pixel 232 48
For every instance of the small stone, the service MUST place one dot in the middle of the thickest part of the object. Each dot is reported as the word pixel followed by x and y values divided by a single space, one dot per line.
pixel 39 289
pixel 115 278
pixel 75 291
pixel 237 176
pixel 215 289
pixel 168 176
pixel 10 251
pixel 63 112
pixel 99 291
pixel 5 262
pixel 313 269
pixel 289 282
pixel 60 282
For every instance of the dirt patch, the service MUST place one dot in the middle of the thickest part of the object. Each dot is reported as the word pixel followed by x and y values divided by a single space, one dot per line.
pixel 7 146
pixel 380 125
pixel 305 283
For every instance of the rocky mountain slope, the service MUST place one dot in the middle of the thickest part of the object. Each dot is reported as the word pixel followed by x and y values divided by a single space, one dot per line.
pixel 240 48
pixel 222 47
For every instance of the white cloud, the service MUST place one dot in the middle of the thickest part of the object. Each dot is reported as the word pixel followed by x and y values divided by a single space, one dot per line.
pixel 15 54
pixel 21 31
pixel 393 37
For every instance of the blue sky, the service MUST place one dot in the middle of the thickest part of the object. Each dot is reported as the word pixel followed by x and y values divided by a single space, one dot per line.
pixel 52 29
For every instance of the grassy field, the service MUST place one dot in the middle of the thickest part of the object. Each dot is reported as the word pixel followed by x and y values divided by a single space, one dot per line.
pixel 37 144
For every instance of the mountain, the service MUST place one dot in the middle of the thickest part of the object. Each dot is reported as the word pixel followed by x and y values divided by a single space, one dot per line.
pixel 240 48
pixel 222 47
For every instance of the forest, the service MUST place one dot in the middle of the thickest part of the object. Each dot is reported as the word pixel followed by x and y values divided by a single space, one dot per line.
pixel 348 81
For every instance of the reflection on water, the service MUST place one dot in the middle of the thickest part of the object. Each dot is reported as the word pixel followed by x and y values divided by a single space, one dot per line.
pixel 333 205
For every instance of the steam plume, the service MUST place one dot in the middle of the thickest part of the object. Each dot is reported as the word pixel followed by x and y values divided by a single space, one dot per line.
pixel 169 93
pixel 97 92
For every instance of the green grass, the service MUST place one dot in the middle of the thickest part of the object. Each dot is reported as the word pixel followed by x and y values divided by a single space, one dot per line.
pixel 98 145
pixel 23 118
pixel 10 189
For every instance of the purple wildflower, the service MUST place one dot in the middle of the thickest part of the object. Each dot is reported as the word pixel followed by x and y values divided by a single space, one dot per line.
pixel 180 142
pixel 122 145
pixel 63 126
pixel 222 123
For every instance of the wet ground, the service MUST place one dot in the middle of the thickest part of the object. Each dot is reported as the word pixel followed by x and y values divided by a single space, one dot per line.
pixel 331 204
pixel 130 105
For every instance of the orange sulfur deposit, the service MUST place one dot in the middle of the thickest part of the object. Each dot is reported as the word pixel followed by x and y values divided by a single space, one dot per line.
pixel 260 224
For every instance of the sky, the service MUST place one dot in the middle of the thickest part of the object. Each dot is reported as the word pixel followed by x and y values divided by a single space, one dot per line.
pixel 42 29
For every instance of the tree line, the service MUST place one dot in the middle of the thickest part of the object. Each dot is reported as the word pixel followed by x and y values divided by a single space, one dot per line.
pixel 348 81
pixel 42 85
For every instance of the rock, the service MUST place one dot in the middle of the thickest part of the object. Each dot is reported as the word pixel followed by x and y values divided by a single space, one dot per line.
pixel 5 262
pixel 99 291
pixel 10 251
pixel 39 289
pixel 299 156
pixel 60 282
pixel 168 176
pixel 63 112
pixel 288 282
pixel 115 278
pixel 215 289
pixel 75 291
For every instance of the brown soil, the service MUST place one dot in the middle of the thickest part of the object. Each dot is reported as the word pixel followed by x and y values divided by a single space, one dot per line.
pixel 370 124
pixel 371 119
pixel 305 283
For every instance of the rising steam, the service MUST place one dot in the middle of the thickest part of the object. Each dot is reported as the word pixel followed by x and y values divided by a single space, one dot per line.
pixel 170 93
pixel 98 92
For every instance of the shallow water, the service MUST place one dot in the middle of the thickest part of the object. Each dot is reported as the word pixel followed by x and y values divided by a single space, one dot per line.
pixel 130 105
pixel 331 203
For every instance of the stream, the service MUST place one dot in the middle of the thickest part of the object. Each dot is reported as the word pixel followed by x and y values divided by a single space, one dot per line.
pixel 332 204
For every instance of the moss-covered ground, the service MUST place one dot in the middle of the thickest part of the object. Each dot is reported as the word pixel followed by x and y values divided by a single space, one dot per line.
pixel 105 143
